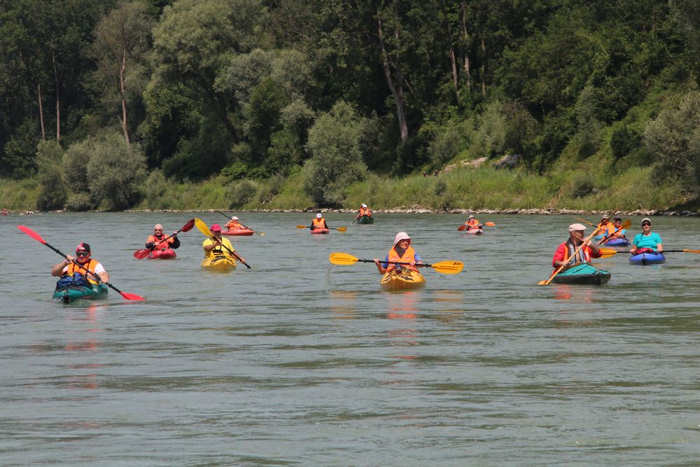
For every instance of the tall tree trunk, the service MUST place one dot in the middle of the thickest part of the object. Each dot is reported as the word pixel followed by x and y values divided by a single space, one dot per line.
pixel 41 112
pixel 455 77
pixel 465 38
pixel 483 67
pixel 396 90
pixel 122 90
pixel 58 98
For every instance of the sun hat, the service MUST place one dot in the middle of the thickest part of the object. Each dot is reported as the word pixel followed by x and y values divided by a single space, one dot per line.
pixel 605 216
pixel 646 219
pixel 471 216
pixel 575 227
pixel 234 218
pixel 319 215
pixel 364 205
pixel 215 228
pixel 401 236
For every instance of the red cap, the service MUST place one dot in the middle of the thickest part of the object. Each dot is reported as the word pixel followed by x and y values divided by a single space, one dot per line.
pixel 82 247
pixel 215 228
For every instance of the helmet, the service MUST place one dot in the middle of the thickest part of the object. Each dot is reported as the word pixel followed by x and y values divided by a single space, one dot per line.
pixel 401 236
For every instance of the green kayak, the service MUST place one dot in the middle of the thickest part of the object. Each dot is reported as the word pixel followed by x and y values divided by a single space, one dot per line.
pixel 365 220
pixel 583 273
pixel 74 292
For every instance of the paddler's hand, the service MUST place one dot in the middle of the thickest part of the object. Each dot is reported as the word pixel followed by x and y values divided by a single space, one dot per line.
pixel 69 259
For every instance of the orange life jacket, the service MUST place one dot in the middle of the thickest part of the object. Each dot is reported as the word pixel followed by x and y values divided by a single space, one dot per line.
pixel 408 256
pixel 234 225
pixel 319 223
pixel 473 223
pixel 365 212
pixel 164 245
pixel 72 268
pixel 583 255
pixel 606 229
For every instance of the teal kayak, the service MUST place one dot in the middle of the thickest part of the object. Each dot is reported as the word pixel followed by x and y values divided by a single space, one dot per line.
pixel 583 273
pixel 365 220
pixel 74 292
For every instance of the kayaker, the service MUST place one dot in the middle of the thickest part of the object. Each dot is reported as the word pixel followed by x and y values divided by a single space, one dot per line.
pixel 403 252
pixel 318 223
pixel 234 224
pixel 563 254
pixel 69 268
pixel 217 246
pixel 155 240
pixel 605 228
pixel 472 222
pixel 619 231
pixel 364 211
pixel 647 241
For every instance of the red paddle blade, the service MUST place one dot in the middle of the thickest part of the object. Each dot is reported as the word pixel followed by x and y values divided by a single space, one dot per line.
pixel 187 227
pixel 462 227
pixel 141 254
pixel 132 296
pixel 31 233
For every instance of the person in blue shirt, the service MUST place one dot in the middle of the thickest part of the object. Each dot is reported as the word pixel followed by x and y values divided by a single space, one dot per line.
pixel 647 241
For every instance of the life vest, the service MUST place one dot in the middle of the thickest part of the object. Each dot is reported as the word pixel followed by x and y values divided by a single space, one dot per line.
pixel 606 229
pixel 219 249
pixel 163 245
pixel 473 223
pixel 583 255
pixel 319 223
pixel 408 256
pixel 365 212
pixel 72 269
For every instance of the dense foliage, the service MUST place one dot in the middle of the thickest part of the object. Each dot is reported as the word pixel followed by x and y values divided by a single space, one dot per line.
pixel 327 93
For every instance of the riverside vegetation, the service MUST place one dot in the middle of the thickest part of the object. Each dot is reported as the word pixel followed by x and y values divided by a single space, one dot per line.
pixel 252 104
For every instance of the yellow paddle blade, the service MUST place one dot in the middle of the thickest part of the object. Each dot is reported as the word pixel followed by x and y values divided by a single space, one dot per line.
pixel 342 259
pixel 302 226
pixel 448 267
pixel 607 252
pixel 341 229
pixel 204 228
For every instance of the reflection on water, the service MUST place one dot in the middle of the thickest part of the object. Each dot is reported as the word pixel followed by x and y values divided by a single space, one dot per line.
pixel 344 304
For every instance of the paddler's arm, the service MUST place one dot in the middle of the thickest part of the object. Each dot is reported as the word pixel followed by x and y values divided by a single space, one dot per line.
pixel 381 269
pixel 558 259
pixel 57 269
pixel 210 246
pixel 174 242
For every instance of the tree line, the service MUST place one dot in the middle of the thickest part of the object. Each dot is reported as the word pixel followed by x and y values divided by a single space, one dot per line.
pixel 97 94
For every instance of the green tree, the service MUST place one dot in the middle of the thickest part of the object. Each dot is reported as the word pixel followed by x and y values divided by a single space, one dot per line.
pixel 53 193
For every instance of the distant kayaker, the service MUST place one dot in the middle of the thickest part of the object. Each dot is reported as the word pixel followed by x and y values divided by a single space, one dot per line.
pixel 155 240
pixel 647 241
pixel 472 222
pixel 565 251
pixel 364 211
pixel 85 263
pixel 217 246
pixel 234 224
pixel 618 231
pixel 402 252
pixel 3 212
pixel 318 223
pixel 605 228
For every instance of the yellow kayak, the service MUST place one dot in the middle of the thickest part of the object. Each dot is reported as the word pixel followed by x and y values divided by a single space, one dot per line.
pixel 219 264
pixel 405 280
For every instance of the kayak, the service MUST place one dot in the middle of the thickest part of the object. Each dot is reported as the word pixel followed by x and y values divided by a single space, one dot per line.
pixel 319 231
pixel 219 264
pixel 583 273
pixel 404 280
pixel 239 232
pixel 617 242
pixel 648 258
pixel 474 231
pixel 74 292
pixel 168 253
pixel 365 220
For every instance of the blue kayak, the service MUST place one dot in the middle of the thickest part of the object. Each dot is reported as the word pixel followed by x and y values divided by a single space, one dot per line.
pixel 648 258
pixel 583 273
pixel 617 242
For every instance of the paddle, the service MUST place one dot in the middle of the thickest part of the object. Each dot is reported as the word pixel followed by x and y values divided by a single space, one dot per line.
pixel 463 227
pixel 625 225
pixel 561 268
pixel 608 252
pixel 339 229
pixel 37 237
pixel 443 267
pixel 141 254
pixel 262 234
pixel 204 228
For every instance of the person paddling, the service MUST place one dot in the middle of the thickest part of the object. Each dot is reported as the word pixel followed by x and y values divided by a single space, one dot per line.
pixel 318 223
pixel 617 232
pixel 234 224
pixel 564 252
pixel 605 227
pixel 472 223
pixel 218 245
pixel 647 241
pixel 78 273
pixel 402 252
pixel 155 240
pixel 363 212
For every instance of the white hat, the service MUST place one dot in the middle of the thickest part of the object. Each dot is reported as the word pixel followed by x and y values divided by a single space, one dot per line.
pixel 234 218
pixel 401 236
pixel 646 219
pixel 605 216
pixel 471 216
pixel 575 227
pixel 319 215
pixel 364 205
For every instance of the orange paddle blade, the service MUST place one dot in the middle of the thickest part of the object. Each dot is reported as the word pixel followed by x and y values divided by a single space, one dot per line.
pixel 489 224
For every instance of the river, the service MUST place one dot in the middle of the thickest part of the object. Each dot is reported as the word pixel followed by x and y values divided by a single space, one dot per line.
pixel 296 361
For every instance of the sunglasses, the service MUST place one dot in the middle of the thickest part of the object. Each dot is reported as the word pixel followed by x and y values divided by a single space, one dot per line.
pixel 646 223
pixel 157 230
pixel 83 253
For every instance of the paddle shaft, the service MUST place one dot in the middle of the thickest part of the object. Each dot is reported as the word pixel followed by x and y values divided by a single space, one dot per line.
pixel 230 251
pixel 608 237
pixel 396 262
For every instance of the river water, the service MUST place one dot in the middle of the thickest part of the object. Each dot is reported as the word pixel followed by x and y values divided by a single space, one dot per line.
pixel 296 361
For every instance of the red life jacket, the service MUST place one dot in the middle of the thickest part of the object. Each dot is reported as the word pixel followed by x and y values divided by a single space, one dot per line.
pixel 164 245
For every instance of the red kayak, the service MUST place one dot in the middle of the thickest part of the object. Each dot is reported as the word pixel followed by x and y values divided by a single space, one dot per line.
pixel 474 231
pixel 319 231
pixel 239 232
pixel 168 253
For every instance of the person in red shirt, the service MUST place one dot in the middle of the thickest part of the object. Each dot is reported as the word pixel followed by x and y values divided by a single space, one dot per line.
pixel 565 251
